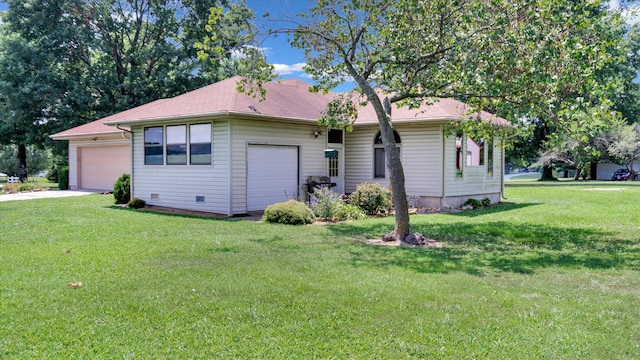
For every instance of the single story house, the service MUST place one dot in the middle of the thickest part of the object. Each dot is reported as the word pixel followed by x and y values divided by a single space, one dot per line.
pixel 216 150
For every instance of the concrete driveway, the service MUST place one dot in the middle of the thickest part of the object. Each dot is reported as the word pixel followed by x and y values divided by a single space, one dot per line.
pixel 42 195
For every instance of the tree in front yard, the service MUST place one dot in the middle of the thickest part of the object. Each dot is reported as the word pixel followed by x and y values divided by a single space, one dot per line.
pixel 515 58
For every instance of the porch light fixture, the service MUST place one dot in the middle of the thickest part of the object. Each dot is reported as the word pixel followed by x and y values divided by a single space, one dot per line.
pixel 317 133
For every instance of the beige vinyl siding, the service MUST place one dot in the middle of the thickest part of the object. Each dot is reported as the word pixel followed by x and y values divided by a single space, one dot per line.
pixel 178 186
pixel 474 179
pixel 421 159
pixel 359 158
pixel 74 145
pixel 245 132
pixel 420 153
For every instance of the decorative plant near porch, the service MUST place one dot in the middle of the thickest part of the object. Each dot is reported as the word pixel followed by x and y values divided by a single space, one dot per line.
pixel 328 205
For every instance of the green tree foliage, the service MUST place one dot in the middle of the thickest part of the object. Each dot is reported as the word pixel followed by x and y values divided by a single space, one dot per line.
pixel 227 47
pixel 624 144
pixel 584 141
pixel 38 159
pixel 517 58
pixel 590 133
pixel 67 62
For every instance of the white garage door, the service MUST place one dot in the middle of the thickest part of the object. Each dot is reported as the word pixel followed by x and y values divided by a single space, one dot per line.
pixel 101 166
pixel 272 175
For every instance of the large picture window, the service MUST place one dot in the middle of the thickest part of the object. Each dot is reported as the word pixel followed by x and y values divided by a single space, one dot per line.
pixel 153 146
pixel 379 168
pixel 170 145
pixel 177 145
pixel 200 144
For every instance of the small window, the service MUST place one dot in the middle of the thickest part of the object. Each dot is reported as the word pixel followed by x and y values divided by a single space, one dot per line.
pixel 459 154
pixel 200 144
pixel 177 145
pixel 490 157
pixel 334 167
pixel 153 146
pixel 335 136
pixel 379 168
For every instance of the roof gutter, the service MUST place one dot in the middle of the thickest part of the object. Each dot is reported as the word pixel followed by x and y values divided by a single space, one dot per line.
pixel 209 116
pixel 123 129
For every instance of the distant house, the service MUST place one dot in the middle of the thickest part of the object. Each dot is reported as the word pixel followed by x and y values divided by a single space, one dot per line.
pixel 216 150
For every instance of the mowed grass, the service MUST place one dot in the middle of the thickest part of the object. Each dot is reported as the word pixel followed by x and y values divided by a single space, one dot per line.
pixel 552 274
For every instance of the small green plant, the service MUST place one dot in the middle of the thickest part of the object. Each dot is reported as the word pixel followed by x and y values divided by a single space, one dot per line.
pixel 63 178
pixel 328 205
pixel 475 203
pixel 325 203
pixel 291 212
pixel 137 203
pixel 122 189
pixel 350 212
pixel 372 198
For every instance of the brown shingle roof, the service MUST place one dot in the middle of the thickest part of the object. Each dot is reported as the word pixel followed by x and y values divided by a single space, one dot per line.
pixel 289 99
pixel 286 99
pixel 440 110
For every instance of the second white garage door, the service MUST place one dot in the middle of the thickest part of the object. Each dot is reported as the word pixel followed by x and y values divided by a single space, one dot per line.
pixel 101 166
pixel 272 175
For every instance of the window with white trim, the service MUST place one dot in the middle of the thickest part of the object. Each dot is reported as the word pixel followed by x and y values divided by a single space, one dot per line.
pixel 178 145
pixel 200 144
pixel 153 145
pixel 459 150
pixel 379 167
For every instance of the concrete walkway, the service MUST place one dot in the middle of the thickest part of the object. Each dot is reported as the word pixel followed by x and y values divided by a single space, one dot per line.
pixel 42 195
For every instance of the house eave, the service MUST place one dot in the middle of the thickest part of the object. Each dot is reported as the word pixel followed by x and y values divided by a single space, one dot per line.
pixel 422 120
pixel 411 121
pixel 84 135
pixel 210 116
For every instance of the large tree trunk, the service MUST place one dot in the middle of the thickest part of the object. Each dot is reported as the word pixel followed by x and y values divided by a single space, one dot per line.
pixel 22 162
pixel 396 180
pixel 593 170
pixel 396 174
pixel 547 173
pixel 394 165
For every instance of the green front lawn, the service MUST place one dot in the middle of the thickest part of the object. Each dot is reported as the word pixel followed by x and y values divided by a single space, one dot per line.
pixel 554 274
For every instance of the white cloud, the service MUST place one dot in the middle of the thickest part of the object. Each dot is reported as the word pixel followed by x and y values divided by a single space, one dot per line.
pixel 614 4
pixel 284 69
pixel 630 13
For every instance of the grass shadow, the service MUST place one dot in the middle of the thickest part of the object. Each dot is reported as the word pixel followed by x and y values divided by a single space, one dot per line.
pixel 176 213
pixel 569 183
pixel 477 248
pixel 493 209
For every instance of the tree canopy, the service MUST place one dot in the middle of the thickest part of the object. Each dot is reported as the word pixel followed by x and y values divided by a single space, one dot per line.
pixel 67 62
